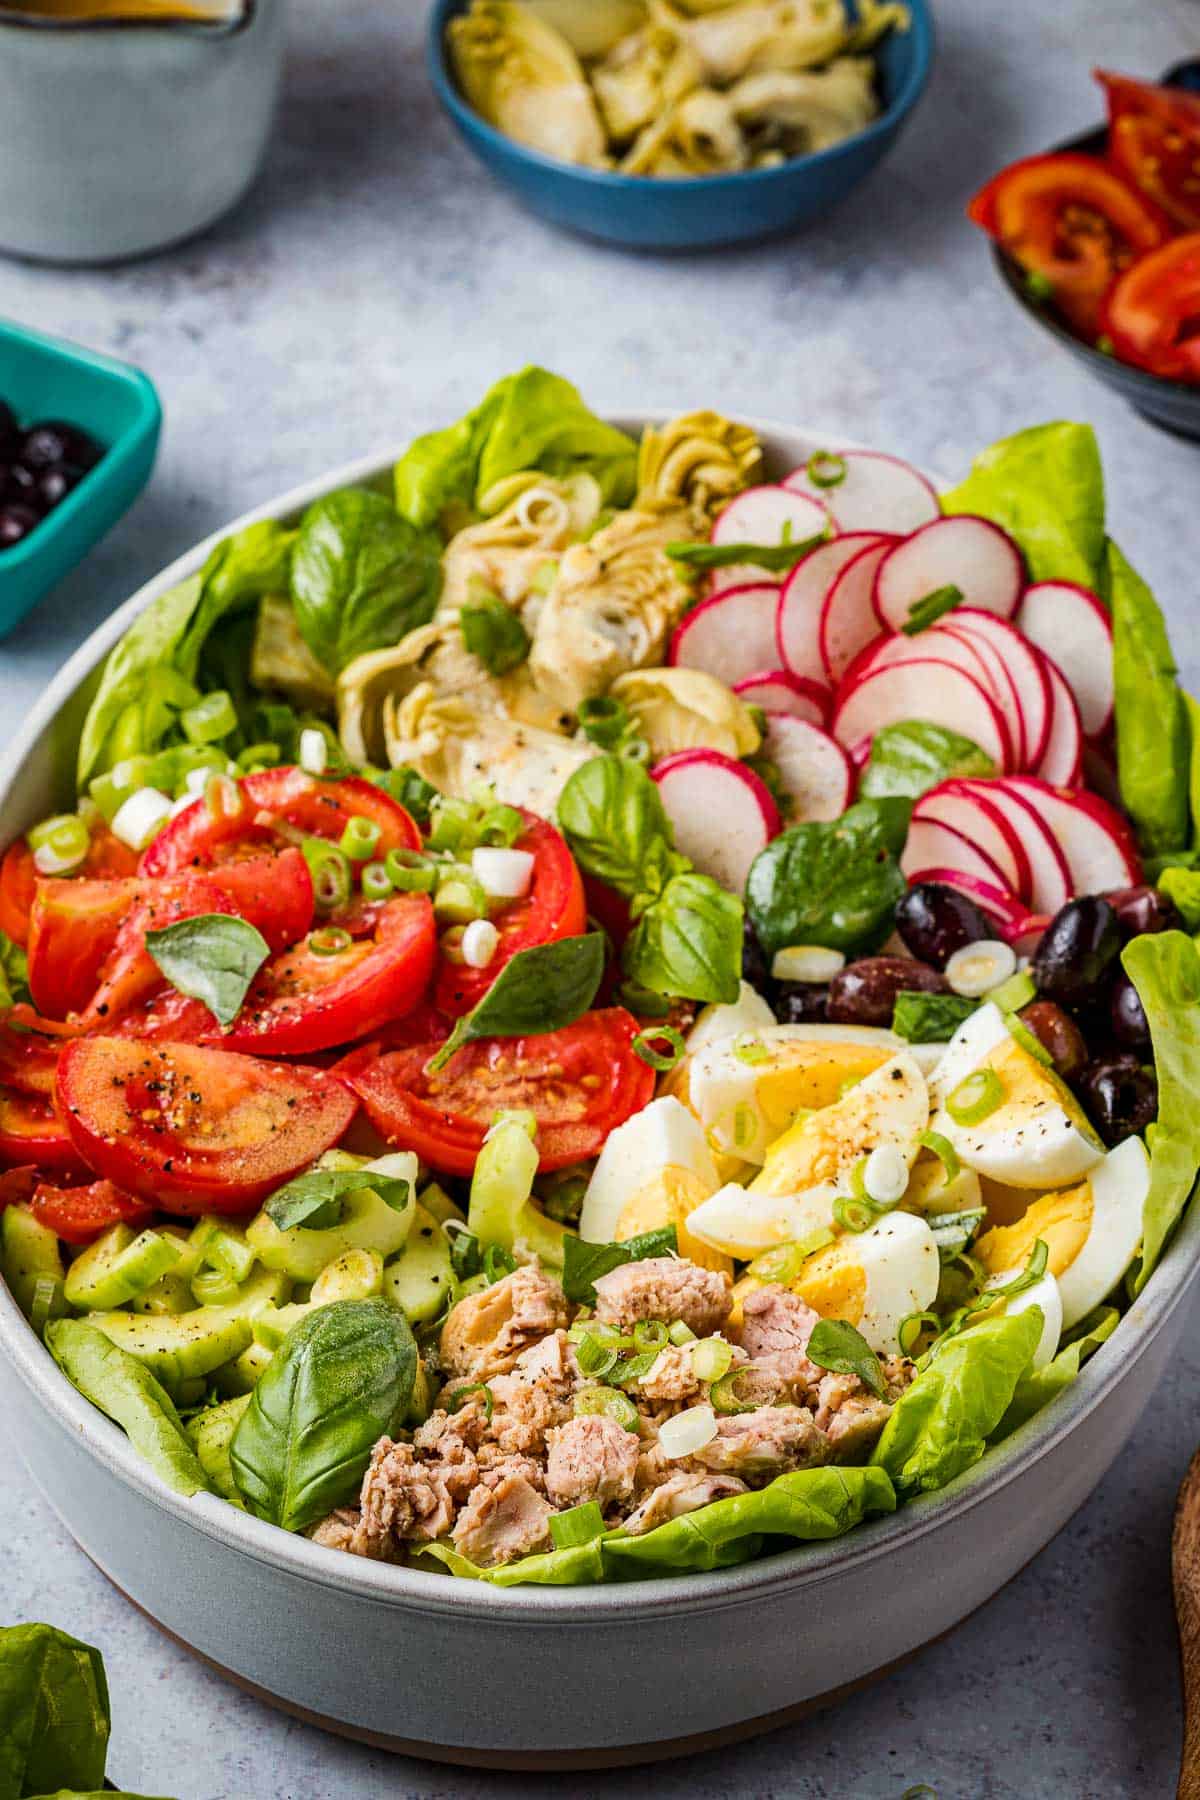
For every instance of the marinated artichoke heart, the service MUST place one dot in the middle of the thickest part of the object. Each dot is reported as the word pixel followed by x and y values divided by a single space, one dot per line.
pixel 686 709
pixel 700 460
pixel 612 607
pixel 509 551
pixel 699 135
pixel 591 27
pixel 455 745
pixel 793 114
pixel 523 77
pixel 280 659
pixel 758 34
pixel 641 78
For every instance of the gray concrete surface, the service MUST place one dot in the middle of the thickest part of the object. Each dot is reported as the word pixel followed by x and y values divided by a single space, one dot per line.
pixel 373 285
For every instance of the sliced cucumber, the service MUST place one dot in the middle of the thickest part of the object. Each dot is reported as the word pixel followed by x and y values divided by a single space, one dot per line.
pixel 228 1250
pixel 437 1201
pixel 211 1432
pixel 354 1275
pixel 29 1251
pixel 367 1223
pixel 178 1348
pixel 241 1375
pixel 117 1266
pixel 420 1278
pixel 421 1404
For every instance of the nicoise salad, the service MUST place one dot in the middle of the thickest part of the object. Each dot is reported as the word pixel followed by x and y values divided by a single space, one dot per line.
pixel 605 1006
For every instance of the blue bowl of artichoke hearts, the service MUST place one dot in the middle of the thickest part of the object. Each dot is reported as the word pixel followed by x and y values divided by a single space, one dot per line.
pixel 680 124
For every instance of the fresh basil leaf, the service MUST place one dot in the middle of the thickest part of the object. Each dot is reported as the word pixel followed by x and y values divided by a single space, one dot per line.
pixel 494 633
pixel 1153 729
pixel 409 789
pixel 926 612
pixel 614 820
pixel 688 942
pixel 213 957
pixel 538 990
pixel 833 884
pixel 127 1391
pixel 314 1199
pixel 341 1380
pixel 929 1018
pixel 1045 486
pixel 909 758
pixel 362 576
pixel 836 1345
pixel 1164 967
pixel 54 1712
pixel 14 972
pixel 779 559
pixel 584 1263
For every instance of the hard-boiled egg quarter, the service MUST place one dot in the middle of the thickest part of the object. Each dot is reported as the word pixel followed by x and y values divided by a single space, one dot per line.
pixel 873 1279
pixel 1046 1295
pixel 660 1141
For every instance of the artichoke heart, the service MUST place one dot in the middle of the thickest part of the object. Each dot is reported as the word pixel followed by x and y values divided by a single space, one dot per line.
pixel 700 460
pixel 686 709
pixel 509 551
pixel 699 135
pixel 281 660
pixel 797 113
pixel 642 76
pixel 732 41
pixel 455 745
pixel 523 77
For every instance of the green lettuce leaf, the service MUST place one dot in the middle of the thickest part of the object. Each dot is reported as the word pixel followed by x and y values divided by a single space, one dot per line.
pixel 1040 1386
pixel 941 1424
pixel 1045 486
pixel 54 1712
pixel 131 1395
pixel 1183 887
pixel 1154 749
pixel 1164 967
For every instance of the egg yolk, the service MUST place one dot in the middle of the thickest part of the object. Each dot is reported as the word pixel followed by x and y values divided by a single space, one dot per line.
pixel 834 1285
pixel 667 1199
pixel 1063 1220
pixel 822 1145
pixel 808 1076
pixel 1029 1088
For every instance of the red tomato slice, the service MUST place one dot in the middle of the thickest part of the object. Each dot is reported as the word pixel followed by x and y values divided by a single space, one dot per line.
pixel 1073 220
pixel 129 973
pixel 1154 140
pixel 1153 313
pixel 72 929
pixel 28 1061
pixel 107 857
pixel 196 839
pixel 580 1083
pixel 80 1214
pixel 275 893
pixel 301 1002
pixel 17 1186
pixel 32 1132
pixel 195 1130
pixel 553 908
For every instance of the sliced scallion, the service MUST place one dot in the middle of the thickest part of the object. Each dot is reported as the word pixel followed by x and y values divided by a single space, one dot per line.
pixel 976 1097
pixel 609 1403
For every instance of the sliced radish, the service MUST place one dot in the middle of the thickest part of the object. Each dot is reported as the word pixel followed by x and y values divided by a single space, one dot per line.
pixel 974 817
pixel 813 767
pixel 798 626
pixel 1071 626
pixel 1008 912
pixel 1061 762
pixel 1095 839
pixel 996 676
pixel 1050 878
pixel 946 646
pixel 730 635
pixel 848 621
pixel 876 493
pixel 778 690
pixel 768 515
pixel 933 845
pixel 1024 668
pixel 965 552
pixel 931 690
pixel 722 812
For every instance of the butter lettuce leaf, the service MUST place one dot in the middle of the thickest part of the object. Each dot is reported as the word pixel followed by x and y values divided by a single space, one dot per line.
pixel 1165 969
pixel 1040 1386
pixel 1154 747
pixel 1045 486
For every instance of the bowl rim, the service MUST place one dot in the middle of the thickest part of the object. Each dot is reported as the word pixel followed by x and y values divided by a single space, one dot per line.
pixel 807 1564
pixel 468 120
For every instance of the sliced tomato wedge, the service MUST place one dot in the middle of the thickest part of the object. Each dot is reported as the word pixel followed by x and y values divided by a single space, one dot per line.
pixel 1154 140
pixel 32 1132
pixel 107 857
pixel 274 803
pixel 80 1214
pixel 303 1001
pixel 1072 220
pixel 72 929
pixel 580 1083
pixel 553 908
pixel 17 1186
pixel 195 1130
pixel 1153 313
pixel 28 1061
pixel 275 893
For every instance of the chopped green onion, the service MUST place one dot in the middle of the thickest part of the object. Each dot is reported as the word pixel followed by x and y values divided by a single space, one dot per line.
pixel 711 1359
pixel 944 1150
pixel 645 1041
pixel 360 839
pixel 497 1263
pixel 1014 993
pixel 784 1262
pixel 603 721
pixel 825 469
pixel 595 1359
pixel 607 1335
pixel 1032 1046
pixel 59 844
pixel 329 940
pixel 223 798
pixel 723 1393
pixel 461 1395
pixel 681 1334
pixel 376 882
pixel 544 578
pixel 258 756
pixel 330 872
pixel 651 1334
pixel 750 1050
pixel 851 1214
pixel 912 1328
pixel 450 823
pixel 953 1232
pixel 577 1526
pixel 210 720
pixel 976 1097
pixel 411 872
pixel 460 896
pixel 500 827
pixel 632 1368
pixel 609 1403
pixel 933 606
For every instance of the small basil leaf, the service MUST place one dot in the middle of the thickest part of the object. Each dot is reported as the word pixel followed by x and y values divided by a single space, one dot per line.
pixel 688 942
pixel 315 1198
pixel 838 1346
pixel 584 1263
pixel 213 958
pixel 778 558
pixel 493 632
pixel 929 1018
pixel 538 990
pixel 833 884
pixel 927 611
pixel 618 830
pixel 909 758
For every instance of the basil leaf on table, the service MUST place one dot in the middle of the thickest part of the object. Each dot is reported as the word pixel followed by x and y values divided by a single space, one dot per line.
pixel 362 576
pixel 585 1263
pixel 538 990
pixel 1164 967
pixel 779 559
pixel 613 819
pixel 688 942
pixel 493 632
pixel 910 758
pixel 836 1345
pixel 340 1381
pixel 929 1018
pixel 54 1712
pixel 314 1199
pixel 833 884
pixel 213 957
pixel 1152 725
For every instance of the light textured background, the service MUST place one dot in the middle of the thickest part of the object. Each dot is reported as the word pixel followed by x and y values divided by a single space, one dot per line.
pixel 373 285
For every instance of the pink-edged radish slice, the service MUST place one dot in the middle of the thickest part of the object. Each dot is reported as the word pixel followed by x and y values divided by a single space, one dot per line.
pixel 1050 878
pixel 768 515
pixel 875 493
pixel 1025 668
pixel 937 692
pixel 779 691
pixel 730 635
pixel 813 767
pixel 721 811
pixel 1061 762
pixel 848 621
pixel 1012 918
pixel 1071 626
pixel 947 646
pixel 1095 839
pixel 798 623
pixel 932 845
pixel 965 552
pixel 975 818
pixel 996 676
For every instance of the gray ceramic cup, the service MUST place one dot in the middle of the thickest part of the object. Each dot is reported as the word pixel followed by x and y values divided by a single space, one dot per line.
pixel 125 136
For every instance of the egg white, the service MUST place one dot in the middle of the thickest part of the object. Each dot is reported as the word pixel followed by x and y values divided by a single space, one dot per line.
pixel 1119 1187
pixel 663 1135
pixel 898 1257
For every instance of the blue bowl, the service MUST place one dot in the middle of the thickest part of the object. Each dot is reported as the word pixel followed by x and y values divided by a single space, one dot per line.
pixel 43 378
pixel 643 213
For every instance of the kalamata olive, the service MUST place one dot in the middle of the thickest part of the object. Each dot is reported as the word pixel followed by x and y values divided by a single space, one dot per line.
pixel 864 992
pixel 18 483
pixel 935 921
pixel 1142 909
pixel 10 433
pixel 1127 1016
pixel 1120 1095
pixel 1058 1034
pixel 801 1003
pixel 16 522
pixel 756 967
pixel 51 441
pixel 55 484
pixel 1077 950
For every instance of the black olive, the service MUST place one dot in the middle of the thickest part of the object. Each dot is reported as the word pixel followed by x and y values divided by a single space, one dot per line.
pixel 864 992
pixel 1077 950
pixel 1058 1034
pixel 1127 1016
pixel 801 1003
pixel 756 969
pixel 1120 1095
pixel 16 522
pixel 10 433
pixel 935 921
pixel 1142 909
pixel 18 483
pixel 51 441
pixel 56 483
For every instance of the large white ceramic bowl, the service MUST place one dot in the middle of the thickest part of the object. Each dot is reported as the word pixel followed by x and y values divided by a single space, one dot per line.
pixel 546 1677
